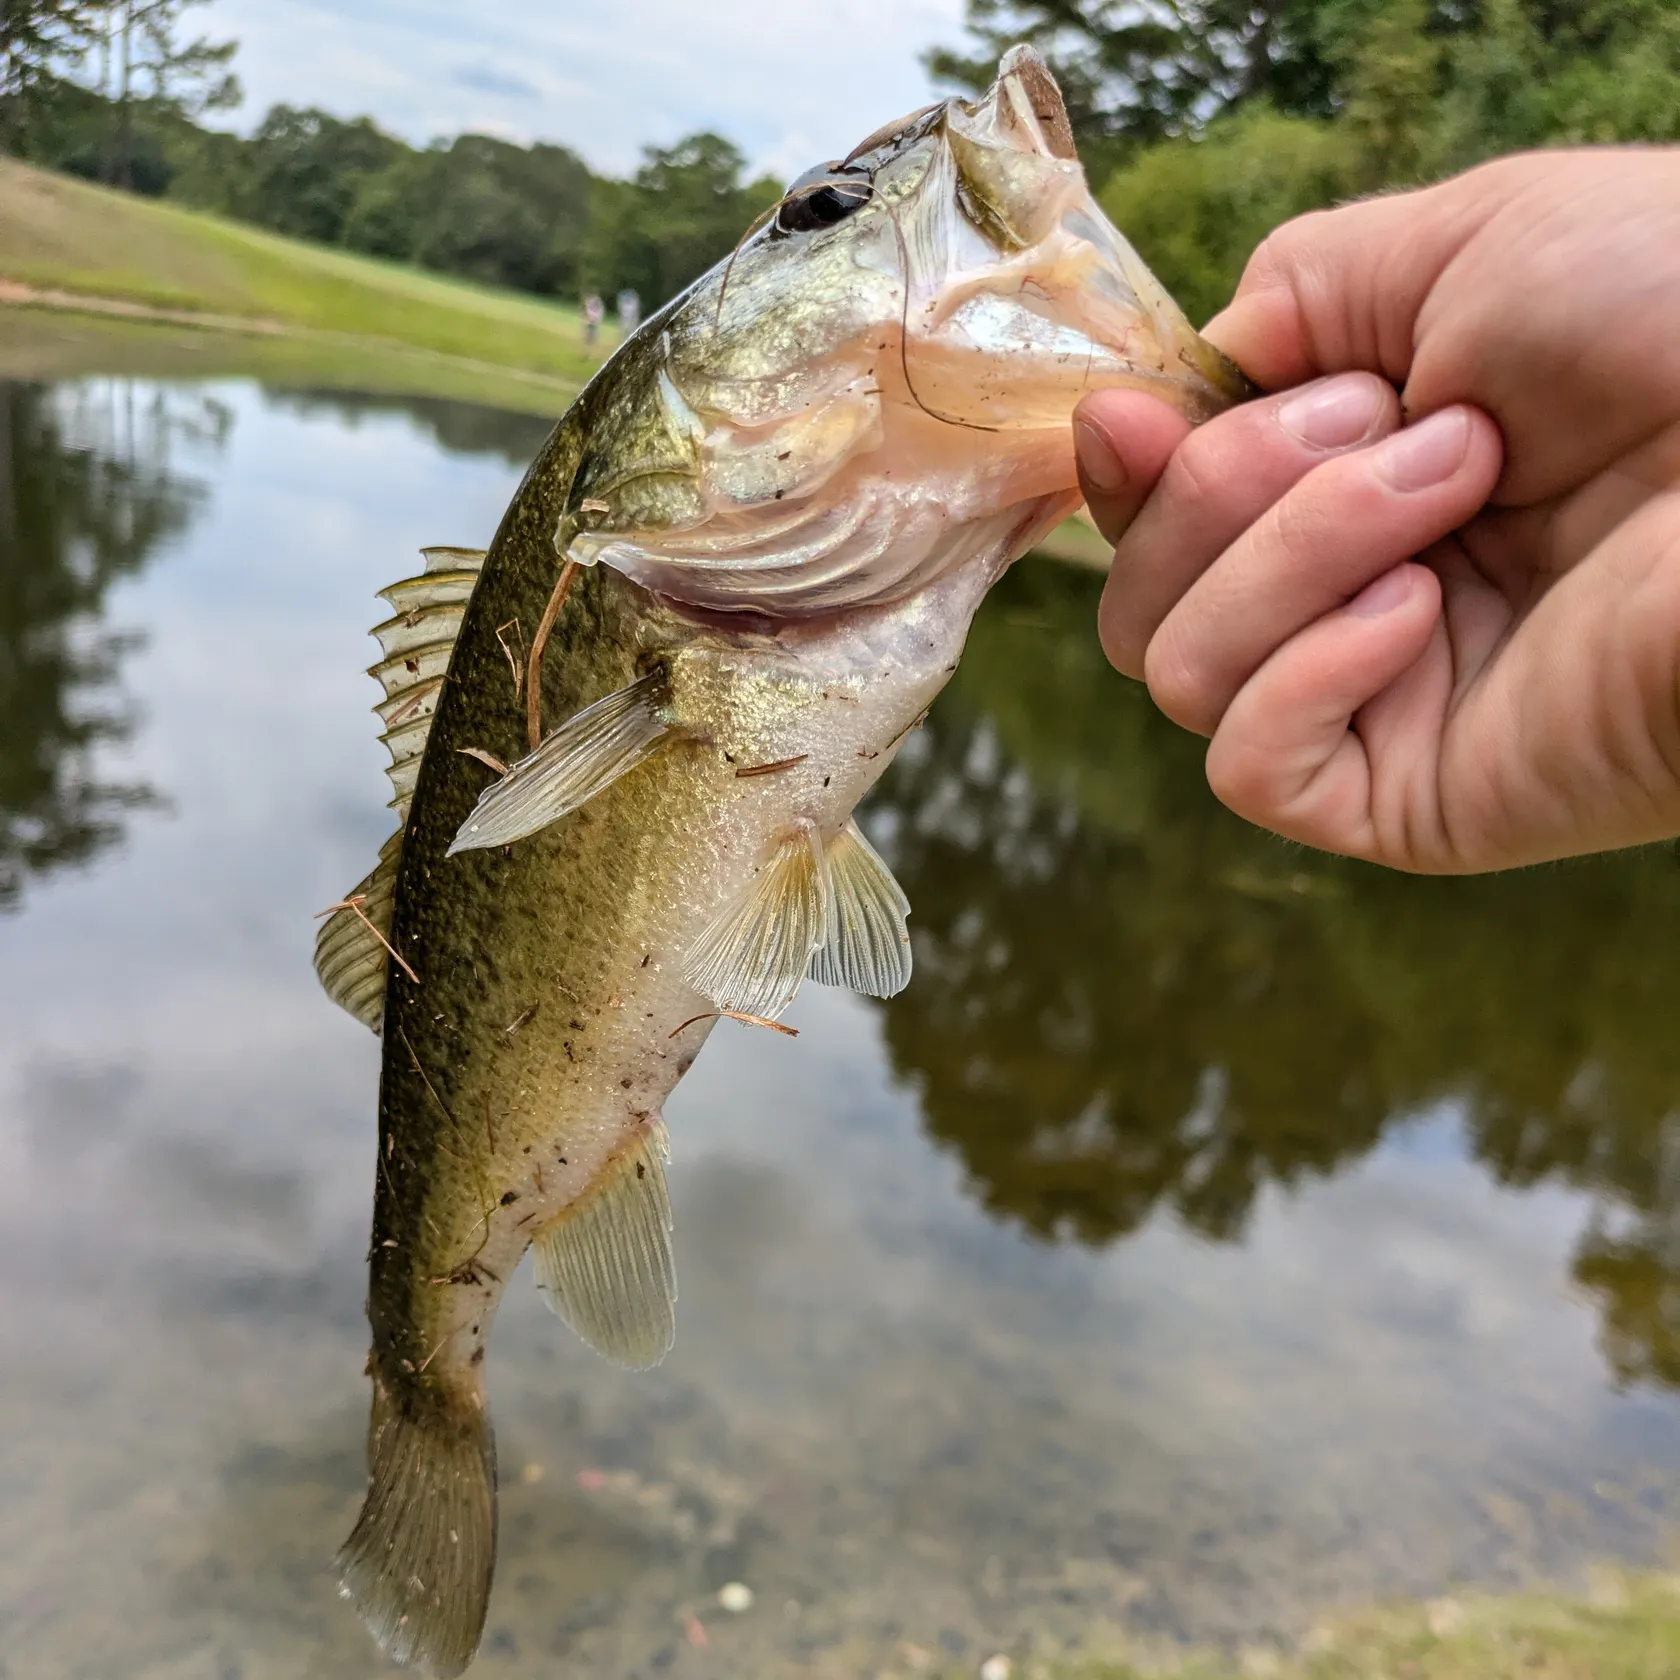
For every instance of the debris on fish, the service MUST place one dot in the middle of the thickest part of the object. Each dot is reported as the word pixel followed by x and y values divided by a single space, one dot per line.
pixel 735 578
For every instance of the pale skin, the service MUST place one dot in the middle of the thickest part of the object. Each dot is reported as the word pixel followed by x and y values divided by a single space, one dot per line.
pixel 1424 597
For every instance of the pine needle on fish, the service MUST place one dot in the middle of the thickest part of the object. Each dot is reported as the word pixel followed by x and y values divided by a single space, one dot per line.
pixel 354 904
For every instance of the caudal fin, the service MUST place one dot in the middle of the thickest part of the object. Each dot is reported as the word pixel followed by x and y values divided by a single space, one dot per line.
pixel 419 1561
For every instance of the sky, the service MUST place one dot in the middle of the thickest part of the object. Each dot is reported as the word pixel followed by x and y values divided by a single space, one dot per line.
pixel 790 82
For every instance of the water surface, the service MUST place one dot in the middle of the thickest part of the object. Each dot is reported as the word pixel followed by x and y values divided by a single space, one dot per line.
pixel 1212 1235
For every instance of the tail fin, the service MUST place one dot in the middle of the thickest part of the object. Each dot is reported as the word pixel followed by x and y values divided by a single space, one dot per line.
pixel 419 1561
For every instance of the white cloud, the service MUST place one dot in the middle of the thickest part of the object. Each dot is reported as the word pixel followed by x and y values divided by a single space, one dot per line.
pixel 790 84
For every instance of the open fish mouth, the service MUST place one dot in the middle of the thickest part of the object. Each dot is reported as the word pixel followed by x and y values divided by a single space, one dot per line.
pixel 876 387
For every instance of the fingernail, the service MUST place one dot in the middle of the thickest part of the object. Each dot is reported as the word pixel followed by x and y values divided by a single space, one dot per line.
pixel 1383 596
pixel 1103 469
pixel 1334 412
pixel 1425 454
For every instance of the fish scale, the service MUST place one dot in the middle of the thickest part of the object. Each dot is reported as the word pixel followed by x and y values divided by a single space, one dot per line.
pixel 759 537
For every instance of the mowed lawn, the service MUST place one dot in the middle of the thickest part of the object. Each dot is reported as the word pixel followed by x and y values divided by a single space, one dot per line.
pixel 62 235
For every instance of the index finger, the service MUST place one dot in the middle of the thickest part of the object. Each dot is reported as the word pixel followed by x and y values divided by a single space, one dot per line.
pixel 1340 289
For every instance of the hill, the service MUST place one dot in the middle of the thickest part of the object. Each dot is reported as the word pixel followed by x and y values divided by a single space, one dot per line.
pixel 67 245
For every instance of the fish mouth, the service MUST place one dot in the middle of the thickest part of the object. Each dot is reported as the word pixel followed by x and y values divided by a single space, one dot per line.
pixel 1029 297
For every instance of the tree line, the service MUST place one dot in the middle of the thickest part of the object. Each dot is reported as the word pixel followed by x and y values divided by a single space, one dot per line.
pixel 116 91
pixel 1205 123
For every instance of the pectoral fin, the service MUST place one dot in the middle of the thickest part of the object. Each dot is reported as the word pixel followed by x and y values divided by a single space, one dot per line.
pixel 586 754
pixel 868 943
pixel 605 1265
pixel 755 952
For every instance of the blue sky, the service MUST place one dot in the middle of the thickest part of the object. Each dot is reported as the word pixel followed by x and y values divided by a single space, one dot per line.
pixel 791 83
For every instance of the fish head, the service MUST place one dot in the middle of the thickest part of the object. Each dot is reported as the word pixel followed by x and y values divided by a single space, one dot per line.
pixel 877 385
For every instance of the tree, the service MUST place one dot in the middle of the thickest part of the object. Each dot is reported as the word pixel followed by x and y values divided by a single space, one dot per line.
pixel 305 169
pixel 186 78
pixel 684 211
pixel 483 208
pixel 39 40
pixel 1137 73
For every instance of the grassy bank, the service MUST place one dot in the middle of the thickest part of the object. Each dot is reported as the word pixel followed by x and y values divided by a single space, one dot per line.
pixel 1626 1628
pixel 48 344
pixel 122 260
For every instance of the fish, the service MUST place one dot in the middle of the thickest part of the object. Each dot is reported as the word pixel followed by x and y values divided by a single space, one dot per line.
pixel 628 741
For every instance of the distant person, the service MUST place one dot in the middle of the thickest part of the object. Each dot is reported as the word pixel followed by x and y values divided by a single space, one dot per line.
pixel 629 310
pixel 594 313
pixel 1425 597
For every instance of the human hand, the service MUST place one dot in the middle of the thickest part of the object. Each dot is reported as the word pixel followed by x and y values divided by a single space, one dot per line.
pixel 1453 645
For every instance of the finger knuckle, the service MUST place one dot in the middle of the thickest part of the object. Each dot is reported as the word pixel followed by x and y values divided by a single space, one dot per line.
pixel 1122 641
pixel 1241 779
pixel 1177 684
pixel 1336 505
pixel 1280 256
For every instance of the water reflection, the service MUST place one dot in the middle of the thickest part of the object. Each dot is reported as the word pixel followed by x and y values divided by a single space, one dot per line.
pixel 1128 1000
pixel 458 428
pixel 914 1427
pixel 88 494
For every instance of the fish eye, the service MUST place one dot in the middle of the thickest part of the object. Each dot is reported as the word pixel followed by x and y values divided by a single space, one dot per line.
pixel 821 197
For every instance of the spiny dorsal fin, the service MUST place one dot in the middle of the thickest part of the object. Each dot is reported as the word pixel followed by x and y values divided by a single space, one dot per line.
pixel 350 957
pixel 605 1265
pixel 419 1561
pixel 586 754
pixel 754 953
pixel 868 943
pixel 444 557
pixel 417 643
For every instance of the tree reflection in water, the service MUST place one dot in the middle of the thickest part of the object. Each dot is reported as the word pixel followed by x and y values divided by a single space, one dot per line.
pixel 87 495
pixel 1127 1000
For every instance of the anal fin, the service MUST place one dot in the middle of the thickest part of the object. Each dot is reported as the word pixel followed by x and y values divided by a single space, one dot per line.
pixel 753 955
pixel 585 755
pixel 350 956
pixel 868 943
pixel 605 1265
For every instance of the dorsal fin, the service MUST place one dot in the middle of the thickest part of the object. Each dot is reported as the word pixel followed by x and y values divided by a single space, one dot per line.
pixel 417 641
pixel 605 1265
pixel 350 956
pixel 755 951
pixel 868 943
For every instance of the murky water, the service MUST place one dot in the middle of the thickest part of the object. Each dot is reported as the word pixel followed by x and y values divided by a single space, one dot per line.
pixel 1212 1233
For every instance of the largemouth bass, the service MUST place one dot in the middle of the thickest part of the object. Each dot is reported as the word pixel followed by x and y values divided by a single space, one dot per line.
pixel 733 580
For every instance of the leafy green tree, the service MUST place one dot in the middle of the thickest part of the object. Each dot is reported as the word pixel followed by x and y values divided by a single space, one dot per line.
pixel 685 209
pixel 482 208
pixel 1134 74
pixel 1195 209
pixel 305 169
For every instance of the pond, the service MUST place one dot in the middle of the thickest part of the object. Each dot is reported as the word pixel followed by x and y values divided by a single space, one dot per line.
pixel 1213 1234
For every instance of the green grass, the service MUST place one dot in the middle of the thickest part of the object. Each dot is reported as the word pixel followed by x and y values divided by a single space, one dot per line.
pixel 66 235
pixel 50 344
pixel 1628 1628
